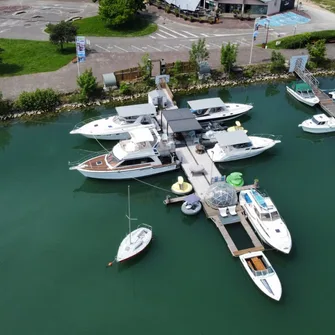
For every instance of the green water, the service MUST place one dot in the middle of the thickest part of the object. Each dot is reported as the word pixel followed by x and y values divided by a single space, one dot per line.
pixel 58 230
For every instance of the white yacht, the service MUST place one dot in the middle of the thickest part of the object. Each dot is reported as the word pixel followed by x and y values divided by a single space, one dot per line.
pixel 145 154
pixel 303 93
pixel 117 127
pixel 216 109
pixel 262 273
pixel 237 145
pixel 264 217
pixel 318 124
pixel 136 241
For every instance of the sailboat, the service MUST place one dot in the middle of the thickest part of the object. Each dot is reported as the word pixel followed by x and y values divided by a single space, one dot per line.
pixel 136 241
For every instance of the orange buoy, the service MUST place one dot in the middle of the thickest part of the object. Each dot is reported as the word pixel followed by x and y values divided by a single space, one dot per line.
pixel 109 264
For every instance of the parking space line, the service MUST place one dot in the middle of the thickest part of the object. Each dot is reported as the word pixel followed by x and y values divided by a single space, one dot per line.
pixel 166 33
pixel 185 46
pixel 186 32
pixel 172 31
pixel 133 46
pixel 152 37
pixel 154 47
pixel 121 48
pixel 171 47
pixel 161 35
pixel 216 45
pixel 204 35
pixel 99 46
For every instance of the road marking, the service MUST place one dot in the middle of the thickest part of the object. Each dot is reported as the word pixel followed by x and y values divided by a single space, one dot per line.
pixel 99 46
pixel 186 32
pixel 161 35
pixel 172 31
pixel 204 35
pixel 153 47
pixel 152 37
pixel 217 46
pixel 121 48
pixel 166 33
pixel 185 46
pixel 241 42
pixel 136 48
pixel 171 47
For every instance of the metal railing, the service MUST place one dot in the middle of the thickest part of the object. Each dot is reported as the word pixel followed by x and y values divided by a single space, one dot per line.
pixel 86 157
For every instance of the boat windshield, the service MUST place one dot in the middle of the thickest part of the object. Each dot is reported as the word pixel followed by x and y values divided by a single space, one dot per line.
pixel 242 145
pixel 111 159
pixel 119 120
pixel 264 272
pixel 271 216
pixel 307 94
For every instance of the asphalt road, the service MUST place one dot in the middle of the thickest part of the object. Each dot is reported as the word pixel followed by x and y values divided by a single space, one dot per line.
pixel 27 20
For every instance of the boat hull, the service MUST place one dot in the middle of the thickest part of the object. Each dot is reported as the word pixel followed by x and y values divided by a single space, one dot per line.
pixel 269 284
pixel 108 137
pixel 310 102
pixel 123 174
pixel 317 130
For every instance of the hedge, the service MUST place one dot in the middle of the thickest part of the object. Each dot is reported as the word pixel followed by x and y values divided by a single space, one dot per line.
pixel 301 40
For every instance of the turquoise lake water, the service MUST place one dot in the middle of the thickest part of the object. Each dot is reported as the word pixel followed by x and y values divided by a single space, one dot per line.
pixel 58 230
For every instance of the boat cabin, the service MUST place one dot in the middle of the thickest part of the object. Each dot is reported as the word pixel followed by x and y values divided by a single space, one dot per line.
pixel 134 111
pixel 233 140
pixel 320 119
pixel 303 89
pixel 207 106
pixel 259 266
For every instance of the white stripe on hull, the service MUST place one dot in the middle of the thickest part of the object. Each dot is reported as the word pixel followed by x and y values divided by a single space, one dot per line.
pixel 113 137
pixel 123 174
pixel 242 155
pixel 222 118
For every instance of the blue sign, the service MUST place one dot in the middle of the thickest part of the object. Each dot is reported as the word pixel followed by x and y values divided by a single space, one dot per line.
pixel 80 48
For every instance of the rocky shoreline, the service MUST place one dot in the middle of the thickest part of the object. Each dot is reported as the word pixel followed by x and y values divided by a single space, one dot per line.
pixel 141 97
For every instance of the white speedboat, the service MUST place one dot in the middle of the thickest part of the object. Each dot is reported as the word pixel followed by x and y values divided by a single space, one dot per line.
pixel 216 109
pixel 145 154
pixel 237 145
pixel 303 93
pixel 114 127
pixel 262 274
pixel 318 124
pixel 136 241
pixel 264 217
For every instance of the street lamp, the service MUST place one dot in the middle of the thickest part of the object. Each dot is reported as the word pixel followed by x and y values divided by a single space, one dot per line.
pixel 255 34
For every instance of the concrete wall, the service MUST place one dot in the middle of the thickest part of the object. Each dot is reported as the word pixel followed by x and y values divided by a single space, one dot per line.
pixel 274 7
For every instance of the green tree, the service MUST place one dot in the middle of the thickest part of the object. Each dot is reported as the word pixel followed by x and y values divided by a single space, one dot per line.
pixel 198 52
pixel 228 56
pixel 177 68
pixel 87 84
pixel 119 12
pixel 62 32
pixel 277 61
pixel 317 51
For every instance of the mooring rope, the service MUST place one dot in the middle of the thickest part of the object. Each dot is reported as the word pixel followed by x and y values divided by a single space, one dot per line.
pixel 148 184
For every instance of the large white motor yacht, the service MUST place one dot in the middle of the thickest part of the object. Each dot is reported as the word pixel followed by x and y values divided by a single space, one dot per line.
pixel 216 109
pixel 117 127
pixel 318 124
pixel 264 217
pixel 262 273
pixel 237 145
pixel 145 154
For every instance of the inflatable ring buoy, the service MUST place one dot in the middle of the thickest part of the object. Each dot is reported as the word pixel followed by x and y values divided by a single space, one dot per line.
pixel 181 189
pixel 191 211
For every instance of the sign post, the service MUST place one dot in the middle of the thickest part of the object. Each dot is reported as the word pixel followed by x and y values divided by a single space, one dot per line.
pixel 80 50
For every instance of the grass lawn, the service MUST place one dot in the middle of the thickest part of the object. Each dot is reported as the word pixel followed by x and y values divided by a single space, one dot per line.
pixel 25 57
pixel 93 26
pixel 328 4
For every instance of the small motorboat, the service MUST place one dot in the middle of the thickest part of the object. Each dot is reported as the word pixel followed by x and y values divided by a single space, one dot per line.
pixel 192 205
pixel 303 93
pixel 262 273
pixel 318 124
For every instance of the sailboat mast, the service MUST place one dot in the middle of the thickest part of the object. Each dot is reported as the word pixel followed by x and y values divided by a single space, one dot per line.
pixel 129 219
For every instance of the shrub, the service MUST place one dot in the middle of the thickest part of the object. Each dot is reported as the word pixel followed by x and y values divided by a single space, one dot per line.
pixel 87 84
pixel 167 9
pixel 40 100
pixel 191 18
pixel 317 51
pixel 185 17
pixel 125 88
pixel 6 107
pixel 277 61
pixel 176 12
pixel 249 72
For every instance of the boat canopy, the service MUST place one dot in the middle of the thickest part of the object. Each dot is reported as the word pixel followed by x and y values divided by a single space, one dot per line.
pixel 231 138
pixel 141 135
pixel 136 110
pixel 302 87
pixel 181 120
pixel 196 105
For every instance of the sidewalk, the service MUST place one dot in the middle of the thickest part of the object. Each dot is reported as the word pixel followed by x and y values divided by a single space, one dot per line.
pixel 64 79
